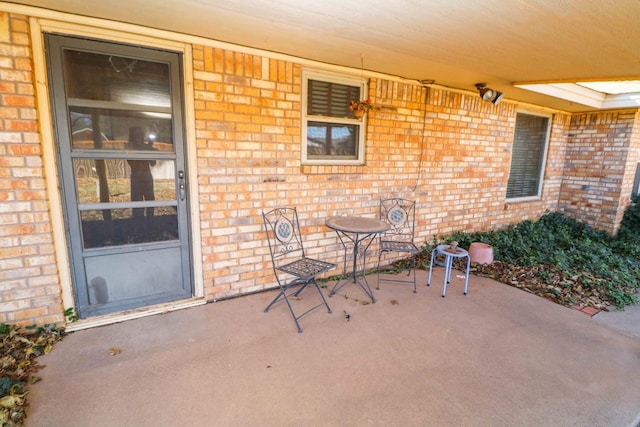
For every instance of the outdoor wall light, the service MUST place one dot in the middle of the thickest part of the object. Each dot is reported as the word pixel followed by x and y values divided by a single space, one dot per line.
pixel 489 95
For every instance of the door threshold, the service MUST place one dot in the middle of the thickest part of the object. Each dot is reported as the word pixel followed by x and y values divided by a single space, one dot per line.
pixel 122 316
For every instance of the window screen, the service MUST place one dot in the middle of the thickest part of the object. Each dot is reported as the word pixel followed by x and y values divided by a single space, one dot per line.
pixel 527 161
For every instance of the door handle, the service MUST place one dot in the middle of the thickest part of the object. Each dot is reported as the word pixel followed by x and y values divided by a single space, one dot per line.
pixel 181 187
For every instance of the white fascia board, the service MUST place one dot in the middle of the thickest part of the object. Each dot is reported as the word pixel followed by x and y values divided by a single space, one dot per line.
pixel 568 91
pixel 625 100
pixel 585 96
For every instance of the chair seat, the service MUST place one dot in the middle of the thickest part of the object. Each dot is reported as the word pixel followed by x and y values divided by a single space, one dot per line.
pixel 306 267
pixel 395 246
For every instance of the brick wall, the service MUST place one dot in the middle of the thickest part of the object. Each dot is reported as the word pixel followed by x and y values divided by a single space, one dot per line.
pixel 602 152
pixel 626 188
pixel 29 289
pixel 448 151
pixel 467 165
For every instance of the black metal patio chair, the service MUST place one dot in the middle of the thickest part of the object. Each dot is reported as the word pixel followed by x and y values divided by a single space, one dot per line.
pixel 400 215
pixel 291 266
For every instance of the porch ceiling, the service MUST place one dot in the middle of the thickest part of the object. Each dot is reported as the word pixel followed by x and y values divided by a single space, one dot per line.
pixel 456 43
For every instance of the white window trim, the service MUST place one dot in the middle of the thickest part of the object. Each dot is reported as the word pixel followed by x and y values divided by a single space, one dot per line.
pixel 545 151
pixel 340 79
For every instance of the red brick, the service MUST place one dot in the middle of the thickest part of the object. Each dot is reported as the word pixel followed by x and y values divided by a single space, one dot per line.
pixel 18 101
pixel 590 311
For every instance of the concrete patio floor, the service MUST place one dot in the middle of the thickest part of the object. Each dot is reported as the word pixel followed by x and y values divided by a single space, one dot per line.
pixel 498 356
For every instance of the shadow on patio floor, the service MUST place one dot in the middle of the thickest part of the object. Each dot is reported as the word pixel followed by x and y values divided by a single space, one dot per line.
pixel 497 356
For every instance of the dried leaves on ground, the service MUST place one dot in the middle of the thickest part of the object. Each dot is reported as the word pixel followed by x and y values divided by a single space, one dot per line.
pixel 18 365
pixel 548 282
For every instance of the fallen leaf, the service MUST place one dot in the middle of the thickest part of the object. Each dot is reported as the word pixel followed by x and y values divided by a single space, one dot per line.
pixel 10 401
pixel 114 351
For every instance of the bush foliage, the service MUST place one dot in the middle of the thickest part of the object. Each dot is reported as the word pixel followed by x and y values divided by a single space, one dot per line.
pixel 583 257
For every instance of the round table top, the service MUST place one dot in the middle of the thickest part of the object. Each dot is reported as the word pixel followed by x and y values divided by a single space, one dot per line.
pixel 356 224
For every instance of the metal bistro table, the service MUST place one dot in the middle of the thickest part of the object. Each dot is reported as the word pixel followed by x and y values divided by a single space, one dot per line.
pixel 356 233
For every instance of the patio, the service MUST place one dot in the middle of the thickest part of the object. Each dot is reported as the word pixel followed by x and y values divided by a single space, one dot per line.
pixel 498 356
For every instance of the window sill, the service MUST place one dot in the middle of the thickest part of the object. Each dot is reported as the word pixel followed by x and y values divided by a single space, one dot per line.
pixel 330 163
pixel 523 199
pixel 327 169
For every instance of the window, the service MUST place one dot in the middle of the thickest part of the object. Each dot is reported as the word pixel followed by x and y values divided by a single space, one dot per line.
pixel 528 156
pixel 635 192
pixel 331 133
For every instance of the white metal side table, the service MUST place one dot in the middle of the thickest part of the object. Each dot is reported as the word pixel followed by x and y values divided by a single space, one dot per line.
pixel 448 264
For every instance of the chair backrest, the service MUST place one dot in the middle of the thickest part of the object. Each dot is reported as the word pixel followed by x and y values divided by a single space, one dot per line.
pixel 400 215
pixel 283 233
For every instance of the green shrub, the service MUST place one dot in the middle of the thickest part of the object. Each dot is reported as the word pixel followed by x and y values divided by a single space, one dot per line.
pixel 576 249
pixel 629 233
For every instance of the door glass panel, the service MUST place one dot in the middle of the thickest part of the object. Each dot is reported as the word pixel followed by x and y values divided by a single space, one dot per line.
pixel 124 180
pixel 115 227
pixel 118 130
pixel 113 78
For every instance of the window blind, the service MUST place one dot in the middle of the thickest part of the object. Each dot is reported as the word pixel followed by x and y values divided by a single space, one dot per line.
pixel 527 158
pixel 330 99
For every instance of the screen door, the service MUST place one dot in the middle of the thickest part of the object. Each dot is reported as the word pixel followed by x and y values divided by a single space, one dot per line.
pixel 119 139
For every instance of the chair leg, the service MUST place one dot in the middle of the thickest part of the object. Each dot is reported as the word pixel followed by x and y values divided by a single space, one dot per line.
pixel 280 295
pixel 304 285
pixel 283 294
pixel 295 319
pixel 378 270
pixel 412 269
pixel 322 296
pixel 414 265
